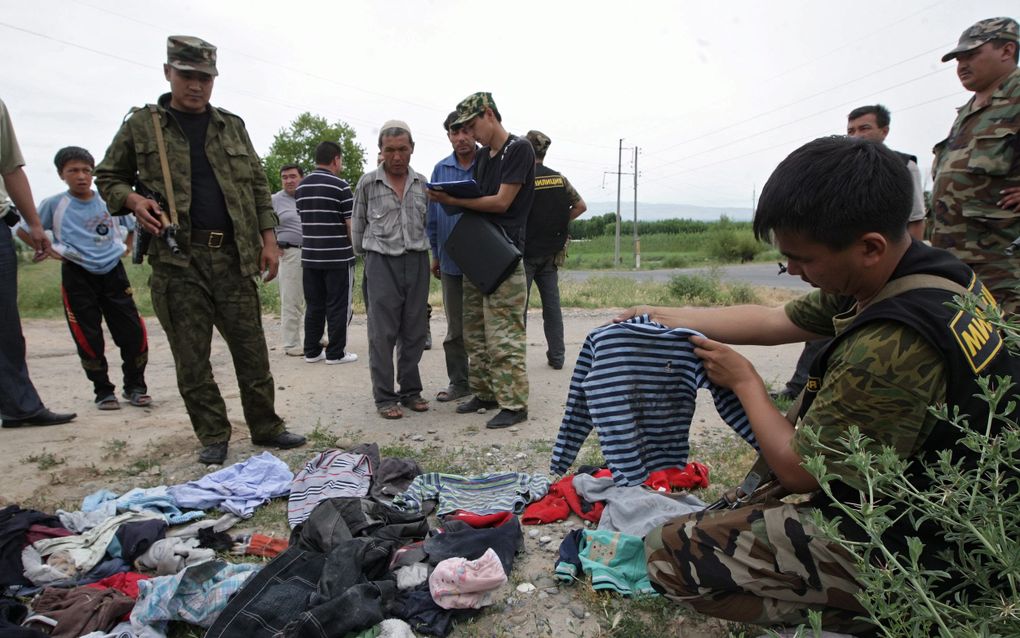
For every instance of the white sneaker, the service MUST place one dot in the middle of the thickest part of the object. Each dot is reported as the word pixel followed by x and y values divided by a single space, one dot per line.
pixel 317 358
pixel 349 357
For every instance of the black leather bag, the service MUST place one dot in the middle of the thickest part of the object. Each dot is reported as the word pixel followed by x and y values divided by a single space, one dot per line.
pixel 482 251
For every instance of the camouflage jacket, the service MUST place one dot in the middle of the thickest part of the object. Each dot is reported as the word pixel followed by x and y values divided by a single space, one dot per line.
pixel 980 157
pixel 134 155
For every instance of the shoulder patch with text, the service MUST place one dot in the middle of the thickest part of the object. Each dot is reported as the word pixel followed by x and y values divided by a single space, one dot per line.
pixel 549 181
pixel 978 340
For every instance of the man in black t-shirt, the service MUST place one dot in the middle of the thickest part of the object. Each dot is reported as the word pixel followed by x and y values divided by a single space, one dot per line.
pixel 494 333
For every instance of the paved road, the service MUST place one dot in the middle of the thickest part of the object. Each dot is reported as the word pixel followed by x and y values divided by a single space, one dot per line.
pixel 753 274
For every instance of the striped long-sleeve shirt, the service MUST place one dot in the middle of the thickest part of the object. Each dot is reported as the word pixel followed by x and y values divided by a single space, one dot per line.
pixel 324 202
pixel 331 474
pixel 635 383
pixel 486 494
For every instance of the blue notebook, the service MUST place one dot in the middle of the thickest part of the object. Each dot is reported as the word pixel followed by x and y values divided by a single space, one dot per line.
pixel 464 189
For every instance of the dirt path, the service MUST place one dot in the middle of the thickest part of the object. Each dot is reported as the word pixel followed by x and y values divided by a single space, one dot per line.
pixel 56 466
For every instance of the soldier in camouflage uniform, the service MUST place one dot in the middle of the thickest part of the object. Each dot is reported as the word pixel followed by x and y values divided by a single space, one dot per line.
pixel 226 238
pixel 976 189
pixel 494 332
pixel 837 208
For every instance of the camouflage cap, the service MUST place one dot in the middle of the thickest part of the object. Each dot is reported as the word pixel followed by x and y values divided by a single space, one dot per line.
pixel 539 140
pixel 188 53
pixel 982 32
pixel 472 106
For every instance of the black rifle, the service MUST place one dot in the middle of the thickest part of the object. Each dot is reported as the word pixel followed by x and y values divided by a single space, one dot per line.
pixel 143 237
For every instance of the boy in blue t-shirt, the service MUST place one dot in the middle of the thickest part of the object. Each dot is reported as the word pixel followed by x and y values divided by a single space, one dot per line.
pixel 94 284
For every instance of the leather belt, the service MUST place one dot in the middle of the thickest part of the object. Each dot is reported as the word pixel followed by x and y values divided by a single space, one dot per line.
pixel 285 245
pixel 211 238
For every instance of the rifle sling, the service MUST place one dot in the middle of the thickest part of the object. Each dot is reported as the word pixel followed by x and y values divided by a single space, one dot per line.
pixel 164 164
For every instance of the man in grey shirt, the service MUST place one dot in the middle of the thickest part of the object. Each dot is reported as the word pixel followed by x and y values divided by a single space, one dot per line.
pixel 389 230
pixel 288 237
pixel 871 122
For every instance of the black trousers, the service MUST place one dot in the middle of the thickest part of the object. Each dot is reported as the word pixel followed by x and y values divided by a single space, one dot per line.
pixel 88 299
pixel 18 398
pixel 327 305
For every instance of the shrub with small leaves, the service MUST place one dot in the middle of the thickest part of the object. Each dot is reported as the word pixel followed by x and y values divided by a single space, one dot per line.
pixel 976 508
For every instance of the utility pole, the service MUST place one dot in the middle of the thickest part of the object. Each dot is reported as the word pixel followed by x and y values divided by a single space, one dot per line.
pixel 637 241
pixel 619 182
pixel 619 186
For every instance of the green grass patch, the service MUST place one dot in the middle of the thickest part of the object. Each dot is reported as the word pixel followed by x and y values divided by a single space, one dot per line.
pixel 114 449
pixel 39 288
pixel 728 458
pixel 701 290
pixel 322 438
pixel 39 284
pixel 44 460
pixel 723 242
pixel 610 292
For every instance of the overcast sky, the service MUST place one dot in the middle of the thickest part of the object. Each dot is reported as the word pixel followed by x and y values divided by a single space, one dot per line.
pixel 714 94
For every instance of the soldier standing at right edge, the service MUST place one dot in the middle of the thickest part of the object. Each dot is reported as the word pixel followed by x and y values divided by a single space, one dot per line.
pixel 226 238
pixel 976 188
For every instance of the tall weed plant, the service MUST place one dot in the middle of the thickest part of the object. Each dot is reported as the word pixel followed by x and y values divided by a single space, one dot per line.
pixel 977 511
pixel 727 242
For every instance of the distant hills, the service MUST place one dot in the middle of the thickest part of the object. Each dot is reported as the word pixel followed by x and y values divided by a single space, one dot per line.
pixel 669 211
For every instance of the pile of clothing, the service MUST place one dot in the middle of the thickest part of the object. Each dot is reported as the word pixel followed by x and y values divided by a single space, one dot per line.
pixel 128 564
pixel 361 560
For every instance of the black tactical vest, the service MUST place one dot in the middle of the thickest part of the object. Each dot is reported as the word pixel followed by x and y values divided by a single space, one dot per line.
pixel 550 214
pixel 970 348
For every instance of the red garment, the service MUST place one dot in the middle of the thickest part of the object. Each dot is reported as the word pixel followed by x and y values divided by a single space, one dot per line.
pixel 561 500
pixel 266 546
pixel 693 475
pixel 124 582
pixel 39 532
pixel 479 521
pixel 549 509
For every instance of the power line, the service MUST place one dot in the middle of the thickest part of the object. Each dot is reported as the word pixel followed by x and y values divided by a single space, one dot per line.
pixel 229 89
pixel 815 58
pixel 262 60
pixel 309 74
pixel 78 46
pixel 795 121
pixel 800 100
pixel 786 144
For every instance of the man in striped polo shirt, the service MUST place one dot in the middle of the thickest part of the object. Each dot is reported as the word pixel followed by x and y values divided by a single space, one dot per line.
pixel 324 202
pixel 389 229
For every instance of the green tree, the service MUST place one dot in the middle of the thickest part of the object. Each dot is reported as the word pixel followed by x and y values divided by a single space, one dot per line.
pixel 296 145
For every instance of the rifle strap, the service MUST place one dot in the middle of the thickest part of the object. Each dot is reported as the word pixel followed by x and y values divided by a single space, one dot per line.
pixel 164 164
pixel 914 282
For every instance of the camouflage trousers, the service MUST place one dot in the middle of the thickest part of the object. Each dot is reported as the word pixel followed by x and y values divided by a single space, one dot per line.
pixel 496 343
pixel 1002 282
pixel 188 302
pixel 763 564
